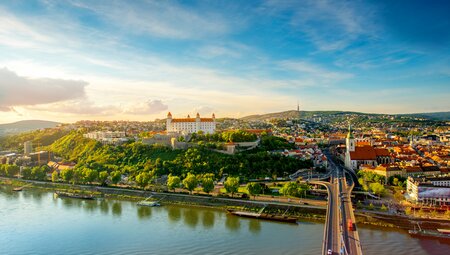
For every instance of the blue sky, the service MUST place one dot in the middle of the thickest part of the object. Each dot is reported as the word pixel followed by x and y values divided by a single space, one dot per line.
pixel 136 60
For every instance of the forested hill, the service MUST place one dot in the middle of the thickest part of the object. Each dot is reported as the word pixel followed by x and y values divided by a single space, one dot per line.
pixel 135 158
pixel 293 115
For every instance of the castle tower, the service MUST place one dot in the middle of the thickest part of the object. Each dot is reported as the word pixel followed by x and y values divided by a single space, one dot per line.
pixel 197 122
pixel 169 122
pixel 214 117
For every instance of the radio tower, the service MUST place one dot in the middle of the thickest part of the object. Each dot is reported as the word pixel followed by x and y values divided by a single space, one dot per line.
pixel 298 109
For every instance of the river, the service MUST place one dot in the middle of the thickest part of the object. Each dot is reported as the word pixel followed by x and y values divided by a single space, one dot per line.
pixel 36 222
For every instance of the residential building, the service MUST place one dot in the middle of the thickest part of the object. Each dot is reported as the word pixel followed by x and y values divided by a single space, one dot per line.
pixel 428 191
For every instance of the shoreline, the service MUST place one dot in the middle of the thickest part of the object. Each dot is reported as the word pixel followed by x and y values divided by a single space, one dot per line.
pixel 301 212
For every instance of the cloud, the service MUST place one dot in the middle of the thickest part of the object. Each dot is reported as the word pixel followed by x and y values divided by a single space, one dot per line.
pixel 149 107
pixel 316 73
pixel 77 107
pixel 22 91
pixel 329 25
pixel 165 19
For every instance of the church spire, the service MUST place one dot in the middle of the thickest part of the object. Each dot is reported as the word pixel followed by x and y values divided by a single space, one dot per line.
pixel 350 132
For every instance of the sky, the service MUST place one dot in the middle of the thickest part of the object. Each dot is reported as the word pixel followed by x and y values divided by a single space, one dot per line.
pixel 136 60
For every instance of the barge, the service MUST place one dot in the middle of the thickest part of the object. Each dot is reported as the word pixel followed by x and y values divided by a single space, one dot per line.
pixel 74 195
pixel 263 216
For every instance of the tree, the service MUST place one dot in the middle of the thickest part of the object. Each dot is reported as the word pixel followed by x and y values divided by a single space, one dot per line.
pixel 408 211
pixel 90 175
pixel 371 206
pixel 377 188
pixel 142 179
pixel 102 177
pixel 116 176
pixel 67 175
pixel 39 173
pixel 207 184
pixel 383 208
pixel 232 185
pixel 55 176
pixel 26 173
pixel 173 182
pixel 190 182
pixel 254 189
pixel 289 189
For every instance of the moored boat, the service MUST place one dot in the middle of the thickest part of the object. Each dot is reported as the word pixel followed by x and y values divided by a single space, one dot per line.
pixel 441 234
pixel 149 203
pixel 74 195
pixel 263 216
pixel 18 189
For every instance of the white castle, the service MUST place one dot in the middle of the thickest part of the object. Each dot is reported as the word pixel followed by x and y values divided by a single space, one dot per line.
pixel 191 125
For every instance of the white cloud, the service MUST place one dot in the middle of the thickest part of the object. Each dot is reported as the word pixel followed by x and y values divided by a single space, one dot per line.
pixel 150 107
pixel 76 107
pixel 160 18
pixel 19 91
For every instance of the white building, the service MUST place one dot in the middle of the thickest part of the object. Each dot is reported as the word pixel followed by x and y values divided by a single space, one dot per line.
pixel 191 125
pixel 27 147
pixel 108 137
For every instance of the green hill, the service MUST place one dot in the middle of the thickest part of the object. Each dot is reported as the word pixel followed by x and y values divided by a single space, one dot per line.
pixel 25 125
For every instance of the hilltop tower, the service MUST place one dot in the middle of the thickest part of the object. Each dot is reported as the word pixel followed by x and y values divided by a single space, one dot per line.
pixel 169 122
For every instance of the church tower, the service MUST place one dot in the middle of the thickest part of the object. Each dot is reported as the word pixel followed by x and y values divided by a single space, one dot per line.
pixel 350 146
pixel 350 140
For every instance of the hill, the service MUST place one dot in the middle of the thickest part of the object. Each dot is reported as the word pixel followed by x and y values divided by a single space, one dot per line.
pixel 25 125
pixel 443 116
pixel 293 114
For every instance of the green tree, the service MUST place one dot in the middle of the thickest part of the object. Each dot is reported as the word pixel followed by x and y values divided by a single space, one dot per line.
pixel 142 179
pixel 173 182
pixel 377 188
pixel 190 182
pixel 90 175
pixel 207 184
pixel 55 176
pixel 254 189
pixel 67 175
pixel 383 208
pixel 116 176
pixel 26 173
pixel 371 207
pixel 232 185
pixel 39 173
pixel 102 177
pixel 408 210
pixel 290 189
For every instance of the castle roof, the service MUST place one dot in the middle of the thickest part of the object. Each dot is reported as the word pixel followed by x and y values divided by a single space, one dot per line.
pixel 192 120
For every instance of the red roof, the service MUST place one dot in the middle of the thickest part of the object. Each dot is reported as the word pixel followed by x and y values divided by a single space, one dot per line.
pixel 363 153
pixel 382 152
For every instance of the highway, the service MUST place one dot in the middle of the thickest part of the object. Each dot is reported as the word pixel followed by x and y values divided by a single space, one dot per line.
pixel 338 237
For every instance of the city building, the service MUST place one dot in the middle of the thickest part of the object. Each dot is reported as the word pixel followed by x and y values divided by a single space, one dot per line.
pixel 108 137
pixel 27 147
pixel 190 125
pixel 430 191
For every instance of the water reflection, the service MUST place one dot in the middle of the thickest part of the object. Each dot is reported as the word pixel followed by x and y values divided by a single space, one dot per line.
pixel 254 226
pixel 104 207
pixel 190 217
pixel 90 206
pixel 232 223
pixel 117 209
pixel 208 219
pixel 144 212
pixel 173 213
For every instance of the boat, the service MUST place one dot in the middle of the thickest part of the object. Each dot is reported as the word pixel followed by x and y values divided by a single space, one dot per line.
pixel 149 203
pixel 74 195
pixel 18 189
pixel 441 234
pixel 263 216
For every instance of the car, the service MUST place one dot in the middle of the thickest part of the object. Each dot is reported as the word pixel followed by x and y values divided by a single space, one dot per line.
pixel 329 252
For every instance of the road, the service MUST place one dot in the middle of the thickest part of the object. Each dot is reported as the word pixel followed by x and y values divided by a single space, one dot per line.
pixel 338 237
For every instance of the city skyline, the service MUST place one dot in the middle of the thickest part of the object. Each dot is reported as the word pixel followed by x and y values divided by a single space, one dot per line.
pixel 73 60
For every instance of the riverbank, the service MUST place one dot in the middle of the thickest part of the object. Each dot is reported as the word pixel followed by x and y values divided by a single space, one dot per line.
pixel 301 211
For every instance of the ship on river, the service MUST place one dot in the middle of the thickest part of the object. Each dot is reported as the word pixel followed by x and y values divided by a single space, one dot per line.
pixel 441 234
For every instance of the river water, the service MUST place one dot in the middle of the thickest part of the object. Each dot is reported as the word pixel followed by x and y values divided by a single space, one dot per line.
pixel 36 222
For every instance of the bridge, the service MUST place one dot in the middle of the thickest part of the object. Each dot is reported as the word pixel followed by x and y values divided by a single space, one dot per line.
pixel 340 232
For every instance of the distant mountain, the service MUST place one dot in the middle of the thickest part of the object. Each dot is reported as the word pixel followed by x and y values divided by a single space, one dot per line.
pixel 25 125
pixel 292 114
pixel 445 116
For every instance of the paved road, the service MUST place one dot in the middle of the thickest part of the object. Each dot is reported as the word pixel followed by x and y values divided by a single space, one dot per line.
pixel 337 236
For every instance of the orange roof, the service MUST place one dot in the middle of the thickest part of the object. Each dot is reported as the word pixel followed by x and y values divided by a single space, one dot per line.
pixel 363 153
pixel 362 143
pixel 382 152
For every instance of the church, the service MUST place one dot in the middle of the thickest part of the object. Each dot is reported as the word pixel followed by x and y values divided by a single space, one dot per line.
pixel 357 155
pixel 190 125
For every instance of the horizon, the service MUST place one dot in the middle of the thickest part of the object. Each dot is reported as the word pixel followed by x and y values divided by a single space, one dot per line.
pixel 77 60
pixel 223 117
